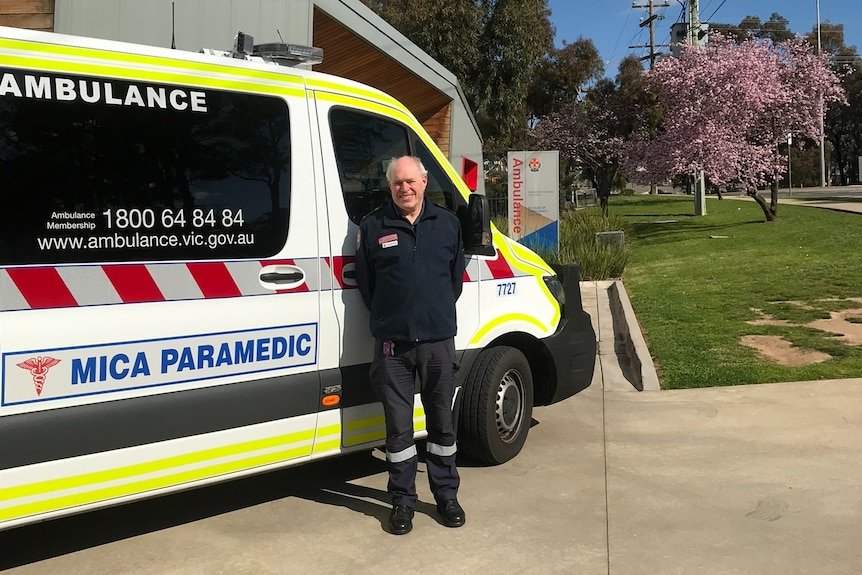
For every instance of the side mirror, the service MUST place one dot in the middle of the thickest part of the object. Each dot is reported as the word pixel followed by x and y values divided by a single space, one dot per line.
pixel 476 226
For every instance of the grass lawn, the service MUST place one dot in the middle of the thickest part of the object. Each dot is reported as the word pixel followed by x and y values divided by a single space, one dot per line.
pixel 696 282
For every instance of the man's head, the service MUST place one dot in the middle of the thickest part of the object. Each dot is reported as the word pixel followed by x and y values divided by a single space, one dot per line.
pixel 407 180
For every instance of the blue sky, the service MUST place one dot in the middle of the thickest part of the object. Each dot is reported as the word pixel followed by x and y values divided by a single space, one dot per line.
pixel 613 25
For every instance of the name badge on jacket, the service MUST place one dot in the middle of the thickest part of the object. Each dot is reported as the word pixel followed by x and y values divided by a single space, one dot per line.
pixel 389 241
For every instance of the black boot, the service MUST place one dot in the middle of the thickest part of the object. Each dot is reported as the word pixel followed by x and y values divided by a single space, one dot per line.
pixel 401 519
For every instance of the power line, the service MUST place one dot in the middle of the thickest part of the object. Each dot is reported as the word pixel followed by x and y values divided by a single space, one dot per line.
pixel 716 10
pixel 614 51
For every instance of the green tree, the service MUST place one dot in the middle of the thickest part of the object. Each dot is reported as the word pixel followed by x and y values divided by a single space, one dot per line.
pixel 492 47
pixel 777 29
pixel 591 133
pixel 447 29
pixel 561 77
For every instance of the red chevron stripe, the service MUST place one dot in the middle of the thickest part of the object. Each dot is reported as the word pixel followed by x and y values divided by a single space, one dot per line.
pixel 42 287
pixel 133 283
pixel 214 279
pixel 337 264
pixel 499 267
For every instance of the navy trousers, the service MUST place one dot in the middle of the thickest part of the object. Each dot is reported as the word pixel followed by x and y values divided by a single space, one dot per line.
pixel 393 375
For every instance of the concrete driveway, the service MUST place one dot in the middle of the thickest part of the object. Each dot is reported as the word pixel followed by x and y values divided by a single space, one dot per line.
pixel 756 479
pixel 763 479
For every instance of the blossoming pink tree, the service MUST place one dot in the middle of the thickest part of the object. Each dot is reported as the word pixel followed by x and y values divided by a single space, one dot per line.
pixel 726 108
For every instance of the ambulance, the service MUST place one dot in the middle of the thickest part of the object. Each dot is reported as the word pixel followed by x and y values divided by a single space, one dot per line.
pixel 178 303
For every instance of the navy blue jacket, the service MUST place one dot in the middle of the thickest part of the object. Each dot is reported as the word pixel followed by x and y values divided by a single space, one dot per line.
pixel 410 275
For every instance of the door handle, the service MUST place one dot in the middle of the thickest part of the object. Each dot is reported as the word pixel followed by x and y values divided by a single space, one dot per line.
pixel 281 276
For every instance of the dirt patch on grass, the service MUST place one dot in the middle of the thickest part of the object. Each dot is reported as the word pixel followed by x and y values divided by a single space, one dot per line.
pixel 766 319
pixel 839 323
pixel 846 324
pixel 782 351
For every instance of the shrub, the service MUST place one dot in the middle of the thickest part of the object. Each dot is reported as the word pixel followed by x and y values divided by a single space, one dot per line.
pixel 598 261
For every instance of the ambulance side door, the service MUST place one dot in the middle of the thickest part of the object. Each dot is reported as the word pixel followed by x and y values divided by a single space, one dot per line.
pixel 159 284
pixel 356 146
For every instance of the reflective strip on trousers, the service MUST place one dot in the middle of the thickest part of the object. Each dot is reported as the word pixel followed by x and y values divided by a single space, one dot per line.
pixel 441 450
pixel 402 455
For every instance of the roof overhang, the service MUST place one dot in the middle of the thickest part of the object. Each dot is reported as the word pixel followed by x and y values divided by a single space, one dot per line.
pixel 359 45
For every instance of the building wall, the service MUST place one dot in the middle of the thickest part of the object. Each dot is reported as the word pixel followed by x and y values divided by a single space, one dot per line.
pixel 196 23
pixel 30 14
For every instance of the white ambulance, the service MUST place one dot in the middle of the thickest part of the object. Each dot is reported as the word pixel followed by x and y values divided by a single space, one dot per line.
pixel 177 296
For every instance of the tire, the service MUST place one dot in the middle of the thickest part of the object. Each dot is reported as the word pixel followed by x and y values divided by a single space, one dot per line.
pixel 497 406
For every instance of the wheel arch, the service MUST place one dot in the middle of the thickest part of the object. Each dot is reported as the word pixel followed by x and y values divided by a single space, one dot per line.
pixel 538 356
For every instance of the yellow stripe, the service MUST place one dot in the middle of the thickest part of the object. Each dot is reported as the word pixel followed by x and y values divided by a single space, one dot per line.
pixel 331 445
pixel 496 322
pixel 154 466
pixel 346 98
pixel 358 424
pixel 168 77
pixel 363 423
pixel 509 248
pixel 529 256
pixel 124 59
pixel 334 429
pixel 318 84
pixel 378 435
pixel 107 493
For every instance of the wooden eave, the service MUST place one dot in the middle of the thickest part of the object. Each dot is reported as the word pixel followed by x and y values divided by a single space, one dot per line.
pixel 348 55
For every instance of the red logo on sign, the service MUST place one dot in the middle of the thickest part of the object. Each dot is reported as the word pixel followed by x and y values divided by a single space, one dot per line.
pixel 535 164
pixel 38 368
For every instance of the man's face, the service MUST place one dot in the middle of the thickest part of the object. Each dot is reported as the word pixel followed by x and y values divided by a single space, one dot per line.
pixel 407 186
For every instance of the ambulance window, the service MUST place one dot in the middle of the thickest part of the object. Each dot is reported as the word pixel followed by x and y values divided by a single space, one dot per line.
pixel 440 189
pixel 364 144
pixel 110 170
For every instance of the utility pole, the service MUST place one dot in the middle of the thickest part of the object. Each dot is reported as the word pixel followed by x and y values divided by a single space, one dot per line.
pixel 699 183
pixel 694 21
pixel 650 21
pixel 823 181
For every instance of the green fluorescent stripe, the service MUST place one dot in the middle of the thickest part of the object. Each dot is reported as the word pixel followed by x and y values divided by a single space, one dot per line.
pixel 332 444
pixel 365 438
pixel 237 84
pixel 364 423
pixel 317 84
pixel 334 429
pixel 124 59
pixel 67 501
pixel 127 472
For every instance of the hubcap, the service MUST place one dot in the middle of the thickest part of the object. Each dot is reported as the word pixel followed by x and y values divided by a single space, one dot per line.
pixel 510 406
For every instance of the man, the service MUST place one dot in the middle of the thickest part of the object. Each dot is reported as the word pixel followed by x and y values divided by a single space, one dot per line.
pixel 410 269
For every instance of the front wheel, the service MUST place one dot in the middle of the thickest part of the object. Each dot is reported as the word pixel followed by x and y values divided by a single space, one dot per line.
pixel 497 407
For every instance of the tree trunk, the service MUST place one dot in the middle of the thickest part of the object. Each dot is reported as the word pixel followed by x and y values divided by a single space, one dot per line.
pixel 773 198
pixel 603 182
pixel 603 202
pixel 770 217
pixel 838 150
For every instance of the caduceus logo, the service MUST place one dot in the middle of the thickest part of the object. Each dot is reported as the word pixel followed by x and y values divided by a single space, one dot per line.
pixel 38 368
